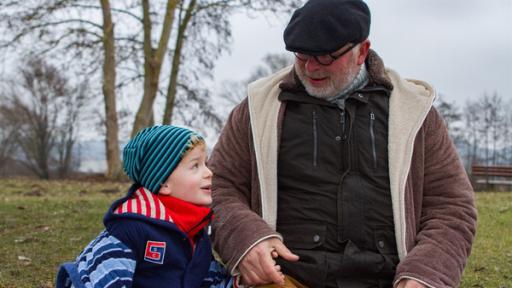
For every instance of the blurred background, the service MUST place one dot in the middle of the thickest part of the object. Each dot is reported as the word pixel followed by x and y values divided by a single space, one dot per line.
pixel 78 78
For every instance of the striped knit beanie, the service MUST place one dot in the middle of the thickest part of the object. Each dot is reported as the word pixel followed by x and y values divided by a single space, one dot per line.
pixel 151 156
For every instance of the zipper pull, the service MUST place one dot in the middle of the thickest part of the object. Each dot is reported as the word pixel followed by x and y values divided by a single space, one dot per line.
pixel 342 121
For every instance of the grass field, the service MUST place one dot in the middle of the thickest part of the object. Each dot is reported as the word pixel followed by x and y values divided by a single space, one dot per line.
pixel 44 223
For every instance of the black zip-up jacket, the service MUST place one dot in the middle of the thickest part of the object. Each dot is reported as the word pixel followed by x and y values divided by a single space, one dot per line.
pixel 334 204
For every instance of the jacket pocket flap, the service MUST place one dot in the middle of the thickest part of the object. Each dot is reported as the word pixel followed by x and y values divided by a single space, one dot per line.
pixel 303 236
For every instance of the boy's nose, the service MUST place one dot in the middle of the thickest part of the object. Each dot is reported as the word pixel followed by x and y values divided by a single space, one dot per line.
pixel 208 173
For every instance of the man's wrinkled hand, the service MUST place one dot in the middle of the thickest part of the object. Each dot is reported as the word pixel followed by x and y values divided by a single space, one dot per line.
pixel 258 266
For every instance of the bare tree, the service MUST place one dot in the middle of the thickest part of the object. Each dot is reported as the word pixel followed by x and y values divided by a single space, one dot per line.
pixel 271 63
pixel 68 28
pixel 451 117
pixel 507 135
pixel 203 30
pixel 67 130
pixel 7 141
pixel 109 93
pixel 486 130
pixel 195 107
pixel 39 107
pixel 72 31
pixel 491 109
pixel 471 130
pixel 234 91
pixel 497 119
pixel 153 61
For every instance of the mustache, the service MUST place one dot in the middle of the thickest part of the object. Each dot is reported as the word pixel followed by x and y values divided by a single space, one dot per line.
pixel 316 75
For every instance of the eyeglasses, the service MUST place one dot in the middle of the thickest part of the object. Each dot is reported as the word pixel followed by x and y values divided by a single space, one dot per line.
pixel 324 60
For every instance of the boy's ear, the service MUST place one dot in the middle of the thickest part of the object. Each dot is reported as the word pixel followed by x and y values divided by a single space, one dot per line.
pixel 165 190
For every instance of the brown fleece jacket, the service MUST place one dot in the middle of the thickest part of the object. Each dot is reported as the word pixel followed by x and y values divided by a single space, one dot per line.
pixel 433 205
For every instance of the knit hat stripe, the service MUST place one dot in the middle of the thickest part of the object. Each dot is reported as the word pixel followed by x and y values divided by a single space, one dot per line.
pixel 159 153
pixel 139 149
pixel 165 144
pixel 154 139
pixel 130 157
pixel 151 156
pixel 138 156
pixel 160 168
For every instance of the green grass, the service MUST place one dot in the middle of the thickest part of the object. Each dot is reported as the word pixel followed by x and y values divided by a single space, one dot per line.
pixel 44 223
pixel 490 263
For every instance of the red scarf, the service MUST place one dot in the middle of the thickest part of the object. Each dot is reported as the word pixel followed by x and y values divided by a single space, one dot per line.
pixel 190 218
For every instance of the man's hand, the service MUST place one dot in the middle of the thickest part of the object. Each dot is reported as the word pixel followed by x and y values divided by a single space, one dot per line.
pixel 409 283
pixel 258 266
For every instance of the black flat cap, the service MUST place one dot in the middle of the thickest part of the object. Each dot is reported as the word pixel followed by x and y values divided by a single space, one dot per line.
pixel 322 27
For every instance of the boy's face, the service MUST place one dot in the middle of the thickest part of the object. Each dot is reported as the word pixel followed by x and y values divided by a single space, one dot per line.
pixel 191 181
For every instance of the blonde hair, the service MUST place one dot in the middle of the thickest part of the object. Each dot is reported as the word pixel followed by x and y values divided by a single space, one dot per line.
pixel 195 141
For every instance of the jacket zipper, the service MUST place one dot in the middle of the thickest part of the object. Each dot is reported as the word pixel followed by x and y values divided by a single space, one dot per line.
pixel 342 121
pixel 315 139
pixel 372 136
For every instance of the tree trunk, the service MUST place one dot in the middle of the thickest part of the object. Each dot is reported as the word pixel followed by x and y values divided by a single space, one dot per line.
pixel 109 93
pixel 152 63
pixel 173 81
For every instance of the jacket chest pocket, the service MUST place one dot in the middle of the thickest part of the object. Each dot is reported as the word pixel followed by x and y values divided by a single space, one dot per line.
pixel 371 141
pixel 326 136
pixel 308 138
pixel 303 236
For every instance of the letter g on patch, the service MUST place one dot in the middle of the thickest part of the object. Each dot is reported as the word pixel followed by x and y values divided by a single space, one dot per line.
pixel 155 252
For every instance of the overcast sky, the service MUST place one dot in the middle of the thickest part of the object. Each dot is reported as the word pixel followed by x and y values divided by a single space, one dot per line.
pixel 461 47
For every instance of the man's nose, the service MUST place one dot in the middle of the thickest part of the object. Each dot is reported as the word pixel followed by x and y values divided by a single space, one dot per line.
pixel 312 64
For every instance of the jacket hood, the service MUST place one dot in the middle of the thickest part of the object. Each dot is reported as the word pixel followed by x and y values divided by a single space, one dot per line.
pixel 140 204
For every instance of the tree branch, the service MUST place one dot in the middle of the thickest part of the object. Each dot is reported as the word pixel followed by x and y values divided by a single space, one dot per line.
pixel 120 11
pixel 56 23
pixel 167 27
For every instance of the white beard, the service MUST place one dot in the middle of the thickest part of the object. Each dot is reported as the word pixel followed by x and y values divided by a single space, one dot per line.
pixel 335 85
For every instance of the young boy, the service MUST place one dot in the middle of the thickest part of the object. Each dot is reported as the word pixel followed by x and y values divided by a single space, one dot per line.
pixel 154 236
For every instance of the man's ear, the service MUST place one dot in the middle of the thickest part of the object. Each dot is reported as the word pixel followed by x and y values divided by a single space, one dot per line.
pixel 364 48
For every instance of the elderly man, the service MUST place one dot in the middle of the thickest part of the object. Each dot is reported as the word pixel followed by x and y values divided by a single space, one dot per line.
pixel 338 172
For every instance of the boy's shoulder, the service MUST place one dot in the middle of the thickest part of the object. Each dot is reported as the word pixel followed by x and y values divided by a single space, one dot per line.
pixel 105 246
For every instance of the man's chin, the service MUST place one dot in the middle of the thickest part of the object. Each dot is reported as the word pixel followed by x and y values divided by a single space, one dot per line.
pixel 319 93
